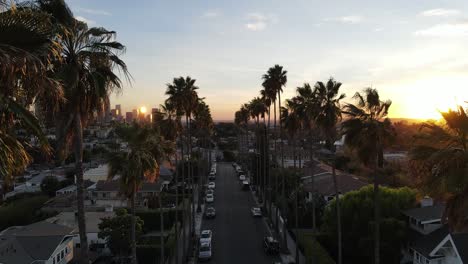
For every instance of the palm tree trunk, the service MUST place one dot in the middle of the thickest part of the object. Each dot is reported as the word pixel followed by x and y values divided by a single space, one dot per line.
pixel 176 228
pixel 184 213
pixel 191 175
pixel 161 223
pixel 268 159
pixel 379 164
pixel 78 149
pixel 297 219
pixel 188 174
pixel 283 185
pixel 275 162
pixel 338 213
pixel 133 227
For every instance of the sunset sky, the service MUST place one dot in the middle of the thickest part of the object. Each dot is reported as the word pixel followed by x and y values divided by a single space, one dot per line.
pixel 414 52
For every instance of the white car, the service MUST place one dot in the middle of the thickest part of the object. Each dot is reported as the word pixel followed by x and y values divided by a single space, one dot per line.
pixel 242 178
pixel 256 212
pixel 204 252
pixel 205 236
pixel 209 198
pixel 211 185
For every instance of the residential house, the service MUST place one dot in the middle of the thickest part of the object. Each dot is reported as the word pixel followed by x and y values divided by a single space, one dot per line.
pixel 41 243
pixel 324 185
pixel 430 241
pixel 92 220
pixel 107 194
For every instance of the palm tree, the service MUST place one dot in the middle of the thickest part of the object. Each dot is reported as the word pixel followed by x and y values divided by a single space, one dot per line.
pixel 327 117
pixel 183 95
pixel 257 109
pixel 26 41
pixel 367 130
pixel 443 148
pixel 168 123
pixel 273 81
pixel 306 107
pixel 140 163
pixel 89 57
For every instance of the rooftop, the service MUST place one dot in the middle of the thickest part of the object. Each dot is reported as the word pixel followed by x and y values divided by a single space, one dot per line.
pixel 426 213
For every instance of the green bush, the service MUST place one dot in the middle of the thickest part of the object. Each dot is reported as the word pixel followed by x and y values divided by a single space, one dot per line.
pixel 152 222
pixel 309 245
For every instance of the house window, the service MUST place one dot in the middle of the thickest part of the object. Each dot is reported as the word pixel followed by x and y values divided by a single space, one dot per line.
pixel 66 250
pixel 53 261
pixel 104 195
pixel 62 254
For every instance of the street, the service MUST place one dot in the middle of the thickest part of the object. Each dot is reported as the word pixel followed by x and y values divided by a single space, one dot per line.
pixel 237 235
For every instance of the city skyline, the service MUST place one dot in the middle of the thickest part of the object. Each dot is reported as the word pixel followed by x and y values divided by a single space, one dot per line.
pixel 400 48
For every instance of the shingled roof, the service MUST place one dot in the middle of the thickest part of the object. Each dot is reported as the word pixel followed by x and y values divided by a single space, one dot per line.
pixel 426 213
pixel 24 244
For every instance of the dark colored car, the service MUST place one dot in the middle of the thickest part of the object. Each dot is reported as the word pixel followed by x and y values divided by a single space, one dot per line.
pixel 210 212
pixel 270 245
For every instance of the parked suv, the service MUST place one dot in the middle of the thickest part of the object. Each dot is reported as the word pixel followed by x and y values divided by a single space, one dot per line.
pixel 270 245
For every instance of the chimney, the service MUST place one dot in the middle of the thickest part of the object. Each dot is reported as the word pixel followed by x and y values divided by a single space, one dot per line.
pixel 427 201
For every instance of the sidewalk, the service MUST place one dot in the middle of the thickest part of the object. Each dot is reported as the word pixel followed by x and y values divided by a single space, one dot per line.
pixel 285 258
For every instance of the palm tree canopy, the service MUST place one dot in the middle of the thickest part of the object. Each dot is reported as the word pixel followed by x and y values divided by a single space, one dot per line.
pixel 257 108
pixel 443 150
pixel 328 108
pixel 290 118
pixel 183 95
pixel 146 150
pixel 274 80
pixel 367 128
pixel 90 57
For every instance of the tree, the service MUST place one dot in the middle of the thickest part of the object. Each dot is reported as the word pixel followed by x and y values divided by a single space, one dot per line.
pixel 367 130
pixel 89 58
pixel 50 185
pixel 183 96
pixel 327 116
pixel 443 149
pixel 357 209
pixel 117 232
pixel 26 41
pixel 146 150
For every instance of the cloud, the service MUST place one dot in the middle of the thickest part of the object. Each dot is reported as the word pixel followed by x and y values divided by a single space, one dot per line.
pixel 378 29
pixel 211 13
pixel 87 21
pixel 440 12
pixel 459 29
pixel 93 11
pixel 258 21
pixel 353 19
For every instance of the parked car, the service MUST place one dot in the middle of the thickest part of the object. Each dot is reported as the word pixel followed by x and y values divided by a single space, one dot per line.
pixel 234 165
pixel 245 185
pixel 211 178
pixel 209 198
pixel 209 191
pixel 256 212
pixel 204 251
pixel 242 177
pixel 211 185
pixel 270 245
pixel 210 212
pixel 205 236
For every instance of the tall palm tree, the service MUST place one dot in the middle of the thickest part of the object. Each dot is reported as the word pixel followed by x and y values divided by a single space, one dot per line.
pixel 327 117
pixel 140 163
pixel 89 58
pixel 274 81
pixel 367 130
pixel 183 95
pixel 307 109
pixel 168 122
pixel 257 109
pixel 26 44
pixel 444 149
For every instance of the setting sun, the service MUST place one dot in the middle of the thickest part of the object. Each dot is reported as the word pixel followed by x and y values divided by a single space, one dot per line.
pixel 426 98
pixel 143 110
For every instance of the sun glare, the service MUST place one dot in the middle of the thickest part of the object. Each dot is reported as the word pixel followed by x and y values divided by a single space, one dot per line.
pixel 425 99
pixel 143 110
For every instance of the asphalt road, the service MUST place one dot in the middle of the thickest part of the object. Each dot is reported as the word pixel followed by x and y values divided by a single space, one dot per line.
pixel 237 236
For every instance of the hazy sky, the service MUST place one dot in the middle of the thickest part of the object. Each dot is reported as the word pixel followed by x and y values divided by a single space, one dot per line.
pixel 414 52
